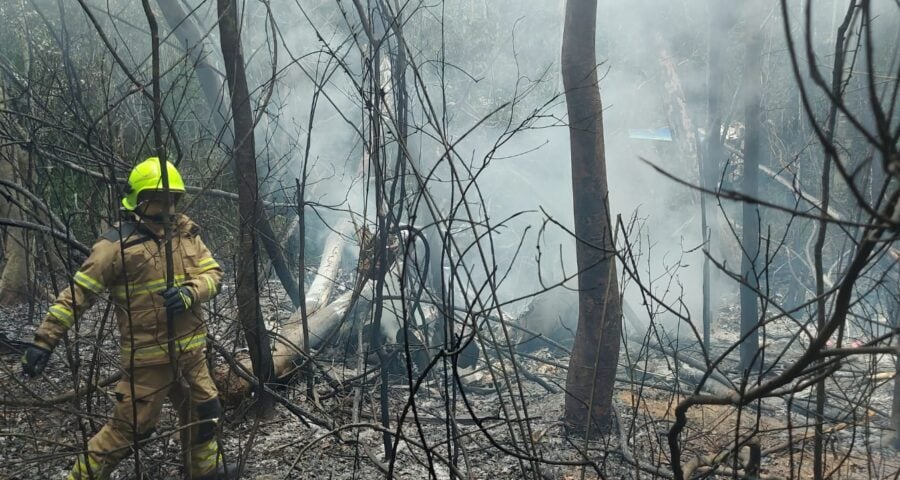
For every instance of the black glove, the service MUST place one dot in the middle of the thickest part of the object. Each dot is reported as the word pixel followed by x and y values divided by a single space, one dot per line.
pixel 34 360
pixel 178 299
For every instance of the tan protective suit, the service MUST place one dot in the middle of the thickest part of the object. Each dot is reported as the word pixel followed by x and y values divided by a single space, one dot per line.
pixel 130 264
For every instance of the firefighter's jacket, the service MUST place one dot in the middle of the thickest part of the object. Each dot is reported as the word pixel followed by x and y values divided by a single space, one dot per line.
pixel 129 264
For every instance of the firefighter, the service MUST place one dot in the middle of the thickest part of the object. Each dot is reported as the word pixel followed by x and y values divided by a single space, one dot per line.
pixel 129 263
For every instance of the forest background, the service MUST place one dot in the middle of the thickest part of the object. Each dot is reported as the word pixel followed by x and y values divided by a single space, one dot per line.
pixel 412 204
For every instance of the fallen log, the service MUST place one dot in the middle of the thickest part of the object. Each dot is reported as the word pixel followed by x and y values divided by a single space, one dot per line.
pixel 319 291
pixel 322 324
pixel 287 346
pixel 323 321
pixel 233 386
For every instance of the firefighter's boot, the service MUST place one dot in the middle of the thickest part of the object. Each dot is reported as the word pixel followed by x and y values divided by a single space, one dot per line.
pixel 89 468
pixel 207 462
pixel 223 472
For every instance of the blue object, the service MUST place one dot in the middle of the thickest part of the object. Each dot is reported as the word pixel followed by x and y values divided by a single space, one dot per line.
pixel 659 134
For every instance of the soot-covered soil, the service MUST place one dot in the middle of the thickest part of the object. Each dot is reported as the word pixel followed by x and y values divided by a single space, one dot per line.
pixel 498 421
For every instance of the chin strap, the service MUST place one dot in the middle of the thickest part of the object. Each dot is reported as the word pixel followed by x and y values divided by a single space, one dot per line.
pixel 151 218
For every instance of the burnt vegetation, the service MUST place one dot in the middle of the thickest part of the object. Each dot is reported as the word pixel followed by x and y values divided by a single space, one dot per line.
pixel 474 238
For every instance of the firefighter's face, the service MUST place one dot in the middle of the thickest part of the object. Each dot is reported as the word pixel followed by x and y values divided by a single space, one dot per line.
pixel 153 204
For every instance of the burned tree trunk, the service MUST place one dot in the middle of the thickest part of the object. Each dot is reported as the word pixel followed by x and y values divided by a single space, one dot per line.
pixel 249 208
pixel 592 368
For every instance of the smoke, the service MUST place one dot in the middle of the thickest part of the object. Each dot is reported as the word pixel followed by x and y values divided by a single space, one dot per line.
pixel 490 69
pixel 495 54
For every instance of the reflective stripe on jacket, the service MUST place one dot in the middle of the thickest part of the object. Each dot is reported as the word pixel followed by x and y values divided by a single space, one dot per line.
pixel 132 267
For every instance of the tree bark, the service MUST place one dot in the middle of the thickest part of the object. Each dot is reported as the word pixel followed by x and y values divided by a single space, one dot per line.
pixel 249 207
pixel 14 284
pixel 592 368
pixel 14 279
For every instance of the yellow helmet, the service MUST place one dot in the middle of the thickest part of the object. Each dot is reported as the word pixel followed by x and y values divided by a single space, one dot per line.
pixel 148 176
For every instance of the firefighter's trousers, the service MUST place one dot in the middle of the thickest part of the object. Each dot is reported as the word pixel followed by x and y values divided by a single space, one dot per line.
pixel 139 399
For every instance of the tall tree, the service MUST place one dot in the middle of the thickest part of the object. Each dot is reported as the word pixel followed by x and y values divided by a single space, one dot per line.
pixel 753 141
pixel 714 149
pixel 249 206
pixel 14 283
pixel 592 368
